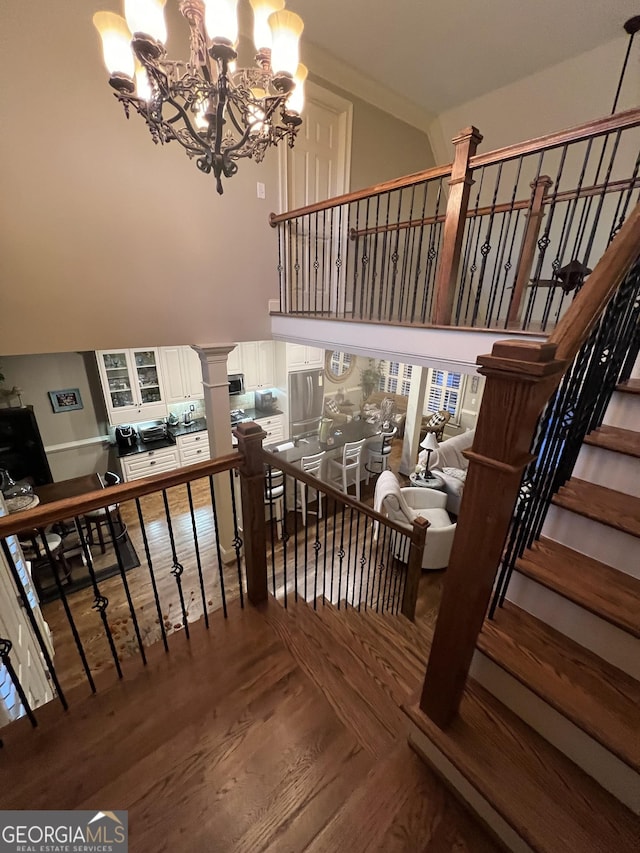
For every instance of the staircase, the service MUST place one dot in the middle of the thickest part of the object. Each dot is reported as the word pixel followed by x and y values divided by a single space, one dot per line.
pixel 546 748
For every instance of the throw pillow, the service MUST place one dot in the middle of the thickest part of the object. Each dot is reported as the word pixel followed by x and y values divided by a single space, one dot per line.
pixel 331 406
pixel 458 473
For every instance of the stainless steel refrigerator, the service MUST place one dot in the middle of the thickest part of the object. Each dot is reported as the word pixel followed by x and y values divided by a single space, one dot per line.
pixel 306 396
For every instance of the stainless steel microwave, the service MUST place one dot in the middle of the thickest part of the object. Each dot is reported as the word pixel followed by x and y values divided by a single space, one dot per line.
pixel 236 384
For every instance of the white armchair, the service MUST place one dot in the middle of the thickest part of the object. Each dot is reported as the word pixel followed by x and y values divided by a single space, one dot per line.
pixel 402 505
pixel 449 462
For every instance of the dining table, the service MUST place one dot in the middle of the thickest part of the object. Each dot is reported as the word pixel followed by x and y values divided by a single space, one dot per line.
pixel 71 488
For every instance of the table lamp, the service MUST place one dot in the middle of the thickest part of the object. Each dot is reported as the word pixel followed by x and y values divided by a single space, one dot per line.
pixel 429 443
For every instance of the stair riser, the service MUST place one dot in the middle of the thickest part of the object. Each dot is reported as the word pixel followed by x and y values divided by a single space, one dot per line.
pixel 599 636
pixel 623 411
pixel 607 769
pixel 606 544
pixel 609 469
pixel 465 791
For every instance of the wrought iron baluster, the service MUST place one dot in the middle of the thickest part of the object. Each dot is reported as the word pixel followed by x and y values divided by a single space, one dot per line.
pixel 341 555
pixel 24 600
pixel 272 528
pixel 67 610
pixel 324 554
pixel 197 552
pixel 281 272
pixel 380 567
pixel 362 561
pixel 216 529
pixel 152 576
pixel 5 658
pixel 296 492
pixel 237 539
pixel 346 596
pixel 477 225
pixel 125 584
pixel 383 269
pixel 317 547
pixel 285 533
pixel 486 247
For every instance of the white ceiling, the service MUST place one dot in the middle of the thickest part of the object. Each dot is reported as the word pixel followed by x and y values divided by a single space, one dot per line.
pixel 441 53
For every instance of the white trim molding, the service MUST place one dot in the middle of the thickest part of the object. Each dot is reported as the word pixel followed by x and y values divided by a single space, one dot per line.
pixel 74 445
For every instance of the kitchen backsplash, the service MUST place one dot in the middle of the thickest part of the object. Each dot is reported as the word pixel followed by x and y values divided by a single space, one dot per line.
pixel 179 409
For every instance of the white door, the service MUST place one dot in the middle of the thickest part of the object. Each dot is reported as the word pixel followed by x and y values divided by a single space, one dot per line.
pixel 317 168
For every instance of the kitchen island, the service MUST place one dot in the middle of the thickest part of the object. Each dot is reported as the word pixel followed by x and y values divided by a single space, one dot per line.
pixel 351 431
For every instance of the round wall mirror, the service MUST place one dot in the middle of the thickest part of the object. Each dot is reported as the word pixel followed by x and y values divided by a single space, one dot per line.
pixel 339 365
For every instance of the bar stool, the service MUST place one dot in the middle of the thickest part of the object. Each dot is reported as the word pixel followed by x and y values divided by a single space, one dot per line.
pixel 378 454
pixel 310 465
pixel 274 496
pixel 351 463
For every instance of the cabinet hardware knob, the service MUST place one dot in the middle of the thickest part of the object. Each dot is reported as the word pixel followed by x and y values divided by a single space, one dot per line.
pixel 152 462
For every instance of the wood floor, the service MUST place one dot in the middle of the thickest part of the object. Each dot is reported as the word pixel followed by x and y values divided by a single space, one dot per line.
pixel 256 735
pixel 308 584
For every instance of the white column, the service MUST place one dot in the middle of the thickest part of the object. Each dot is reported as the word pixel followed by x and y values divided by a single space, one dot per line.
pixel 213 360
pixel 415 406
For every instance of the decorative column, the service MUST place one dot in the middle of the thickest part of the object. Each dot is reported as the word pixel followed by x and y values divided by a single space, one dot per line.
pixel 213 360
pixel 415 407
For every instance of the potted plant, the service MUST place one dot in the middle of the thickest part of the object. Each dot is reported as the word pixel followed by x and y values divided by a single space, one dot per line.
pixel 370 377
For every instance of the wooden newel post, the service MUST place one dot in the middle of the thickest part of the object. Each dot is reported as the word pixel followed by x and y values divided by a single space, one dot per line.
pixel 252 487
pixel 414 567
pixel 454 224
pixel 521 376
pixel 528 251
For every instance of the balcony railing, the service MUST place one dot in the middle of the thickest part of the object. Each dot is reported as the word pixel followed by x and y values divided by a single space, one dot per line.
pixel 169 570
pixel 503 240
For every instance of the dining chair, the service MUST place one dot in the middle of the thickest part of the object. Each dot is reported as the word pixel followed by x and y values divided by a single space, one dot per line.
pixel 34 550
pixel 378 453
pixel 340 470
pixel 99 517
pixel 310 465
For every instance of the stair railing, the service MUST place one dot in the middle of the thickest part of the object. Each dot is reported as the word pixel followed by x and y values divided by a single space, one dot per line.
pixel 503 240
pixel 171 536
pixel 346 553
pixel 521 377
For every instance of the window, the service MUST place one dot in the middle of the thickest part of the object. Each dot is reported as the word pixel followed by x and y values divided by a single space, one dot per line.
pixel 396 378
pixel 444 391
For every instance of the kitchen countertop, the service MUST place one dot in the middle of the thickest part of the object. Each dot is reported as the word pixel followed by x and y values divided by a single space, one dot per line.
pixel 352 431
pixel 257 414
pixel 199 425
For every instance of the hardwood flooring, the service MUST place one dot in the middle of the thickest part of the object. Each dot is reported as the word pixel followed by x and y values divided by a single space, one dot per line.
pixel 250 737
pixel 354 583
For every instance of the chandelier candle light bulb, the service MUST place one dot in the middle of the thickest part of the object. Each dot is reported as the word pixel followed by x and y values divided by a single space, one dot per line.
pixel 217 112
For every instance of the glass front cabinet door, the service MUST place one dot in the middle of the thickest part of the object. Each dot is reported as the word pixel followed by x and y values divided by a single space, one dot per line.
pixel 132 385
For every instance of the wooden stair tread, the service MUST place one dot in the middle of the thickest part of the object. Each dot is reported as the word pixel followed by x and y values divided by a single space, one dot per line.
pixel 598 503
pixel 549 801
pixel 593 694
pixel 392 809
pixel 631 386
pixel 620 440
pixel 392 677
pixel 362 704
pixel 599 588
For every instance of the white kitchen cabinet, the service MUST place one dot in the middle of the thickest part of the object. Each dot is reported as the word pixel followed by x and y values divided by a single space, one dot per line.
pixel 274 428
pixel 301 357
pixel 194 447
pixel 132 384
pixel 258 365
pixel 153 462
pixel 181 373
pixel 234 360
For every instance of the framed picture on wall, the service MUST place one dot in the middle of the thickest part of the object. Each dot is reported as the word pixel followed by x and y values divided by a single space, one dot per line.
pixel 66 400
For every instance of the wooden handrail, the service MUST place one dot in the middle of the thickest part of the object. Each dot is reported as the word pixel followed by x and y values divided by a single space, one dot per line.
pixel 596 127
pixel 574 327
pixel 48 513
pixel 505 207
pixel 359 195
pixel 277 462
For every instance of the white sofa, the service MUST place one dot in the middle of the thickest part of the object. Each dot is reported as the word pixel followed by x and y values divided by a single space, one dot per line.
pixel 402 505
pixel 450 464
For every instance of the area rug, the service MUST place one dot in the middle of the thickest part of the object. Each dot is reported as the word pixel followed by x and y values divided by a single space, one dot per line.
pixel 105 566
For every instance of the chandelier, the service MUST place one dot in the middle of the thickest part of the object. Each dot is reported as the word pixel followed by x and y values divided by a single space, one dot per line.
pixel 217 112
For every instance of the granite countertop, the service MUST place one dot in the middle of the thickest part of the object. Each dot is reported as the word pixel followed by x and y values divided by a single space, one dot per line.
pixel 257 414
pixel 353 431
pixel 199 425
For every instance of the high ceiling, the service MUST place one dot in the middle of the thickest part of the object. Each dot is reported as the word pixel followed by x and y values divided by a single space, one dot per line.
pixel 441 53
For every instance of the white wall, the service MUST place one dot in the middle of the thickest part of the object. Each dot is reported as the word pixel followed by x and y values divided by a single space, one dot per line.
pixel 569 93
